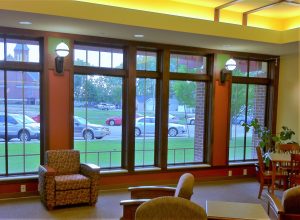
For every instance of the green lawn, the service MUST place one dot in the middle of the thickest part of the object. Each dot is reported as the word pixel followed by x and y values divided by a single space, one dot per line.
pixel 107 153
pixel 236 149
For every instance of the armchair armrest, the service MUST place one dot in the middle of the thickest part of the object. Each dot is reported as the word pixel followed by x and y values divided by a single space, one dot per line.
pixel 150 192
pixel 89 169
pixel 130 207
pixel 92 172
pixel 275 204
pixel 46 170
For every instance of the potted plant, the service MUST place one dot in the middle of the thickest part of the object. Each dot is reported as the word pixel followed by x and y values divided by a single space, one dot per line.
pixel 268 141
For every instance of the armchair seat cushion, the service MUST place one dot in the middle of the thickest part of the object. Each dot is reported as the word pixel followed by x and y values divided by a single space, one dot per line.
pixel 72 182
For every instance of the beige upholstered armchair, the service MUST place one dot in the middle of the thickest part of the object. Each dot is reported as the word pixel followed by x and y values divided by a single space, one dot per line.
pixel 289 207
pixel 143 194
pixel 64 181
pixel 170 208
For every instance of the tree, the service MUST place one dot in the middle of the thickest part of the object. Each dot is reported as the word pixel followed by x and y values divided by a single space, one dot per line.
pixel 185 92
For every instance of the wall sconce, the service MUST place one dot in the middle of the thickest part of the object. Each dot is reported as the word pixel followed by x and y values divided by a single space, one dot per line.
pixel 62 50
pixel 229 67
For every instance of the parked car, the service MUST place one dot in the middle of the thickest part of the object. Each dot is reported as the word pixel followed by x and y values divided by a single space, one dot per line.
pixel 82 128
pixel 19 126
pixel 146 125
pixel 191 121
pixel 106 106
pixel 117 120
pixel 114 120
pixel 36 118
pixel 173 119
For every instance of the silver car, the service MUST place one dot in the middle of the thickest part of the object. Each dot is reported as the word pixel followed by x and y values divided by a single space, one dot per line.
pixel 19 126
pixel 82 128
pixel 146 125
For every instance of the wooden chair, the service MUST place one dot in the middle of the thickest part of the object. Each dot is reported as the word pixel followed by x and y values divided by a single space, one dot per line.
pixel 141 194
pixel 291 149
pixel 289 207
pixel 295 170
pixel 265 177
pixel 288 148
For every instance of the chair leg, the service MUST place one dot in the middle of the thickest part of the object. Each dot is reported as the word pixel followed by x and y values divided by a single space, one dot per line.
pixel 260 189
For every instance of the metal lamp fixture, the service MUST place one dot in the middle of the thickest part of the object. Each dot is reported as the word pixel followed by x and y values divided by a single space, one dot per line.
pixel 62 50
pixel 230 65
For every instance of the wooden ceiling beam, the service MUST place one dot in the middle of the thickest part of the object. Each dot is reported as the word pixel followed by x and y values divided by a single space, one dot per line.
pixel 217 9
pixel 245 14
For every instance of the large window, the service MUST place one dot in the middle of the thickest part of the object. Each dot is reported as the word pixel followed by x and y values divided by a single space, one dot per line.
pixel 19 108
pixel 98 119
pixel 248 101
pixel 145 116
pixel 187 98
pixel 98 107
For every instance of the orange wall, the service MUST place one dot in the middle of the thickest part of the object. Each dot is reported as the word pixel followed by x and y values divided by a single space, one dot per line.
pixel 220 124
pixel 221 104
pixel 59 113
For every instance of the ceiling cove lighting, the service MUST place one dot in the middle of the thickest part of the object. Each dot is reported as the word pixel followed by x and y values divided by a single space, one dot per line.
pixel 25 22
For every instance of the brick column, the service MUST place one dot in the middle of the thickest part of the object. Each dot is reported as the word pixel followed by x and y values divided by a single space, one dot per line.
pixel 259 112
pixel 199 122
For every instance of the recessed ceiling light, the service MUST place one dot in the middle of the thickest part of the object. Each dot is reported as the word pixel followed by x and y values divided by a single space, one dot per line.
pixel 25 22
pixel 138 35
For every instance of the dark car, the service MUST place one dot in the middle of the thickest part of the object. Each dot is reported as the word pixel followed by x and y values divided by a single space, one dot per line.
pixel 240 119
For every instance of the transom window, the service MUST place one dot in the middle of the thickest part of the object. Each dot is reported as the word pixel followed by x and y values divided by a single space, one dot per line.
pixel 98 57
pixel 181 63
pixel 146 60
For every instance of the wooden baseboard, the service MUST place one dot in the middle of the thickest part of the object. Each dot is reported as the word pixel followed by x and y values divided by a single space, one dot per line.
pixel 172 182
pixel 18 195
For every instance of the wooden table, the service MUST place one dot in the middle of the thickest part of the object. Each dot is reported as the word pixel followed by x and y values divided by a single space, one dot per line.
pixel 235 210
pixel 277 158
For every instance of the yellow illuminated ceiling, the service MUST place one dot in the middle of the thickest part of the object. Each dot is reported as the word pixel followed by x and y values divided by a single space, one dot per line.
pixel 273 18
pixel 279 24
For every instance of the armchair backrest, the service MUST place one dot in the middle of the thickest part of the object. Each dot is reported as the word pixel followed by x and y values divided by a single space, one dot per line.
pixel 63 161
pixel 185 186
pixel 169 207
pixel 291 201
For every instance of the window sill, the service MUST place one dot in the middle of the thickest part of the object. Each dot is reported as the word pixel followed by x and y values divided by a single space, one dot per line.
pixel 116 171
pixel 18 178
pixel 243 163
pixel 142 169
pixel 188 166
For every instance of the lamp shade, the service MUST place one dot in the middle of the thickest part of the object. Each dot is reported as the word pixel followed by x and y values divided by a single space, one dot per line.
pixel 62 49
pixel 230 65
